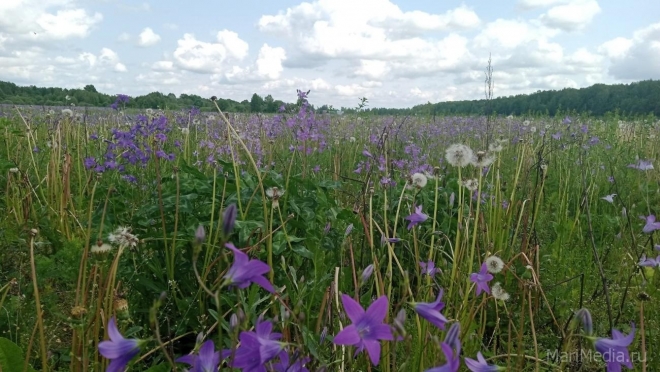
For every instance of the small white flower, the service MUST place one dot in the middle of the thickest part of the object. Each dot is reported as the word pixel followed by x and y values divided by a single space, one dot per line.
pixel 609 198
pixel 498 292
pixel 419 180
pixel 532 129
pixel 13 170
pixel 494 264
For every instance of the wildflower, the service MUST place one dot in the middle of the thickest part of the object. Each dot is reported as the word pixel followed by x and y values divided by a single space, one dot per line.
pixel 649 262
pixel 285 365
pixel 499 293
pixel 348 230
pixel 185 131
pixel 367 154
pixel 451 347
pixel 494 264
pixel 419 180
pixel 200 235
pixel 67 112
pixel 431 311
pixel 642 165
pixel 584 316
pixel 119 349
pixel 650 225
pixel 257 348
pixel 459 155
pixel 416 217
pixel 206 361
pixel 366 274
pixel 480 365
pixel 367 328
pixel 428 268
pixel 245 271
pixel 615 350
pixel 482 159
pixel 481 279
pixel 609 198
pixel 123 237
pixel 495 147
pixel 229 219
pixel 398 323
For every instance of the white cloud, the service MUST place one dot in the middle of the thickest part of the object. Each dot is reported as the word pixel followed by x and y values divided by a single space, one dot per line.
pixel 268 66
pixel 120 67
pixel 637 58
pixel 200 56
pixel 367 29
pixel 123 37
pixel 575 15
pixel 148 38
pixel 509 33
pixel 67 23
pixel 163 66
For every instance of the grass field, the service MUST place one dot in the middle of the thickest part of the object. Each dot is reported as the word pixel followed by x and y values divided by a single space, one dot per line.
pixel 530 240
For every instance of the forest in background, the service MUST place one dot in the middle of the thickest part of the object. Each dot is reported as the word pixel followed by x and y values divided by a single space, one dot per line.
pixel 638 98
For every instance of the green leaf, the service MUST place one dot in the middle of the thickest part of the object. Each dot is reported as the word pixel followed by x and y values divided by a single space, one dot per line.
pixel 302 251
pixel 11 357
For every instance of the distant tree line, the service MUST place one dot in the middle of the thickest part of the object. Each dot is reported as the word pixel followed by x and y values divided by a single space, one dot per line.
pixel 11 93
pixel 639 98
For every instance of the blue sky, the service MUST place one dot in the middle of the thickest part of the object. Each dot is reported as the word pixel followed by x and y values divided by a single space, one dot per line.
pixel 396 53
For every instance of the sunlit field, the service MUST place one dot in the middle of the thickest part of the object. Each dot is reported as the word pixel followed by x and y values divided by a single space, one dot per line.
pixel 174 240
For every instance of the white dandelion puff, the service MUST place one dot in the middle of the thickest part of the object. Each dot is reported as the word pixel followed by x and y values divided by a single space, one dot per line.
pixel 185 131
pixel 494 264
pixel 498 292
pixel 459 155
pixel 419 180
pixel 123 237
pixel 471 184
pixel 101 248
pixel 67 112
pixel 609 198
pixel 483 159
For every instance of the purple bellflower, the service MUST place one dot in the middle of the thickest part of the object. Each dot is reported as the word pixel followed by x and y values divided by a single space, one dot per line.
pixel 257 348
pixel 119 349
pixel 431 311
pixel 480 365
pixel 416 217
pixel 615 350
pixel 245 271
pixel 428 268
pixel 649 262
pixel 451 347
pixel 284 365
pixel 481 279
pixel 650 225
pixel 367 328
pixel 206 361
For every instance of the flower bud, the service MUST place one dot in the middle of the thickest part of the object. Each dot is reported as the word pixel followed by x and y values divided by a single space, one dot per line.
pixel 584 316
pixel 229 219
pixel 366 274
pixel 200 235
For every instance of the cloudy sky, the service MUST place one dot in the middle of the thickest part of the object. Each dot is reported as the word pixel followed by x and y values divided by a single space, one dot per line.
pixel 396 53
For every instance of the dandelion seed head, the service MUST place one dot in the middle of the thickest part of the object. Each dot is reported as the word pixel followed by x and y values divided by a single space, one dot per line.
pixel 499 293
pixel 419 180
pixel 459 155
pixel 494 264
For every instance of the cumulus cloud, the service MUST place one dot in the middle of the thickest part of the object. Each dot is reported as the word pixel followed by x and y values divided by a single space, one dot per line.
pixel 367 30
pixel 32 20
pixel 268 66
pixel 575 15
pixel 148 38
pixel 637 58
pixel 204 57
